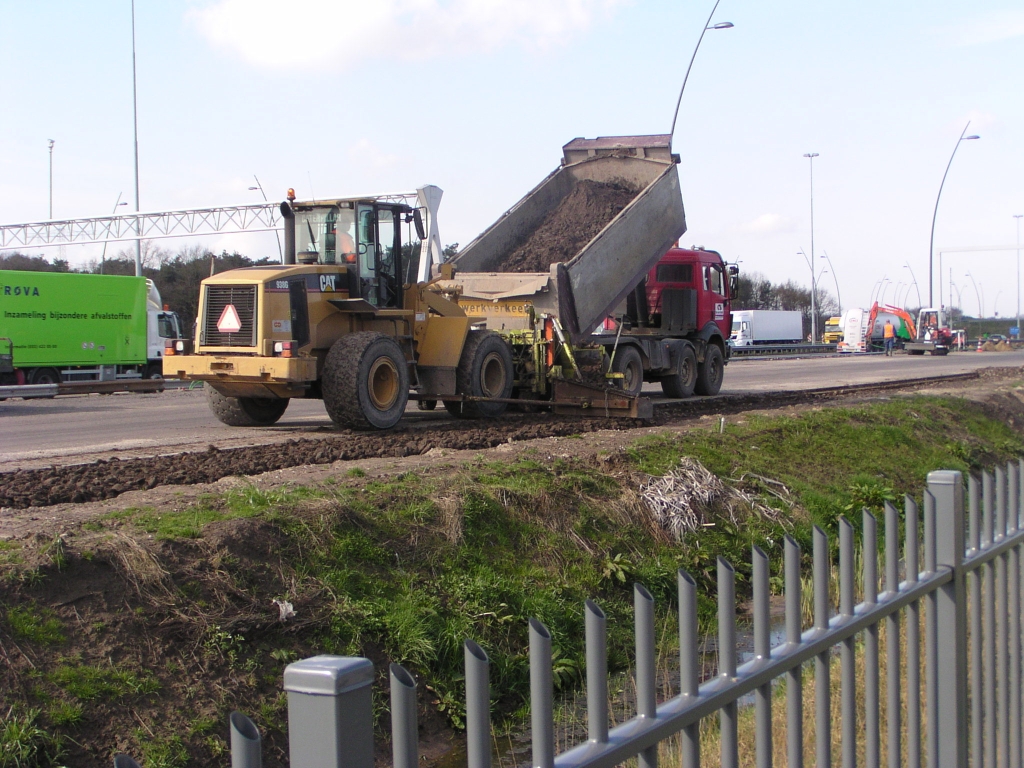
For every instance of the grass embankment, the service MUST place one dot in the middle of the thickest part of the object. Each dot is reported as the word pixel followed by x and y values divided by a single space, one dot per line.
pixel 141 631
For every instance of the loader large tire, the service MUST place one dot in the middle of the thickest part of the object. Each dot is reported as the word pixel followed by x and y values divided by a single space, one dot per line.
pixel 245 411
pixel 629 363
pixel 365 381
pixel 485 370
pixel 683 379
pixel 711 372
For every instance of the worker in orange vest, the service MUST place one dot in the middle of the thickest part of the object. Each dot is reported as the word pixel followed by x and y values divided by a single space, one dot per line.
pixel 889 333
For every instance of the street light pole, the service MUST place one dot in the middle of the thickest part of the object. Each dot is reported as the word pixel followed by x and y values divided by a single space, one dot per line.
pixel 278 236
pixel 814 313
pixel 917 288
pixel 103 256
pixel 1018 216
pixel 977 295
pixel 707 26
pixel 135 121
pixel 931 242
pixel 835 277
pixel 52 142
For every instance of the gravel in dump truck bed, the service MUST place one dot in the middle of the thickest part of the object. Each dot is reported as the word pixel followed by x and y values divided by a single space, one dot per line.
pixel 562 234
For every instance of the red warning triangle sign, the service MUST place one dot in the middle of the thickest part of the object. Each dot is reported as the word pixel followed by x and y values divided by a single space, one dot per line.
pixel 229 321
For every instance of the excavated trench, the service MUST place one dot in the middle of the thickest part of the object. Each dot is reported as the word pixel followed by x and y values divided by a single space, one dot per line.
pixel 106 479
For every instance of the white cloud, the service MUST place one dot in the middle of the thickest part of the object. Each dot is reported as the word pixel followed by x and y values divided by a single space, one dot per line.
pixel 769 223
pixel 309 33
pixel 993 27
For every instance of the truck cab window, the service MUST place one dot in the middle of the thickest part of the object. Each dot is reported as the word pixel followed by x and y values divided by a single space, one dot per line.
pixel 166 327
pixel 713 279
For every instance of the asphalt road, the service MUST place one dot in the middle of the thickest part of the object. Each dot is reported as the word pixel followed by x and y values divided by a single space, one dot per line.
pixel 78 428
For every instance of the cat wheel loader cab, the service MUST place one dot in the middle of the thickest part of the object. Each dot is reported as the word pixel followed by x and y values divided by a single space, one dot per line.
pixel 345 319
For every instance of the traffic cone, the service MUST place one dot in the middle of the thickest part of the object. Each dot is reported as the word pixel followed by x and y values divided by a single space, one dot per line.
pixel 979 349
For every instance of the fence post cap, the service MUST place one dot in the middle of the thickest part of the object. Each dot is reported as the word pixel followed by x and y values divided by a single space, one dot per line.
pixel 328 675
pixel 944 477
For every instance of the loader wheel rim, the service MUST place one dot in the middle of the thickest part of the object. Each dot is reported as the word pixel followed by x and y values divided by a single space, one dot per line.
pixel 492 376
pixel 383 383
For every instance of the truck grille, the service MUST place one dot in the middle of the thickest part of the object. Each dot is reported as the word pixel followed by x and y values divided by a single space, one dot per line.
pixel 243 297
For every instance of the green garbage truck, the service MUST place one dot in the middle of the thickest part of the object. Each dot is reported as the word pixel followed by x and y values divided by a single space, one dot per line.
pixel 67 326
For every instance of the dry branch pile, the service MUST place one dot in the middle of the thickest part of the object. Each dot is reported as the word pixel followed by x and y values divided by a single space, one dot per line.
pixel 691 497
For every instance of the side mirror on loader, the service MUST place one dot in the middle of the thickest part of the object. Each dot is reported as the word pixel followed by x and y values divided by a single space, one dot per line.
pixel 417 221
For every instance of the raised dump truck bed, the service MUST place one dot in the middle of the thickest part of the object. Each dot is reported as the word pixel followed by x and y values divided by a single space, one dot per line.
pixel 584 289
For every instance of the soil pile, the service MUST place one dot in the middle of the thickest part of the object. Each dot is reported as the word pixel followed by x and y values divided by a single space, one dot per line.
pixel 562 234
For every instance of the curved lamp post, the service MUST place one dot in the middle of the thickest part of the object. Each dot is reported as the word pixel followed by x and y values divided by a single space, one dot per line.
pixel 103 257
pixel 707 26
pixel 977 295
pixel 276 234
pixel 1018 217
pixel 839 299
pixel 931 243
pixel 906 265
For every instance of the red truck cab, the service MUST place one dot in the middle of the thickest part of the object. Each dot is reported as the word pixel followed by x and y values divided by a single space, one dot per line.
pixel 676 322
pixel 702 275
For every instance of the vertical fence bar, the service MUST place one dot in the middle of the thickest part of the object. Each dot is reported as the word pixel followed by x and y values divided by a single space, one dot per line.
pixel 727 660
pixel 848 669
pixel 892 637
pixel 1018 514
pixel 541 696
pixel 946 488
pixel 872 746
pixel 762 651
pixel 246 744
pixel 646 665
pixel 1012 524
pixel 404 730
pixel 977 701
pixel 689 663
pixel 822 688
pixel 1002 641
pixel 794 678
pixel 931 633
pixel 989 620
pixel 597 672
pixel 478 706
pixel 911 543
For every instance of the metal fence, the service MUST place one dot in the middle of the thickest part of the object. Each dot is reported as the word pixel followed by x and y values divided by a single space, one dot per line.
pixel 967 712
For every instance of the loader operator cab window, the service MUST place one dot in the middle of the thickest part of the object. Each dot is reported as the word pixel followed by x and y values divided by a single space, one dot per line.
pixel 380 252
pixel 325 236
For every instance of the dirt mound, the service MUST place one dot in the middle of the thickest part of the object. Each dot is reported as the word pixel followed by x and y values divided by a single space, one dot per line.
pixel 106 479
pixel 562 234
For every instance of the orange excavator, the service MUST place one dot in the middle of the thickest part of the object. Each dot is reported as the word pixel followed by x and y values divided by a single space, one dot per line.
pixel 906 330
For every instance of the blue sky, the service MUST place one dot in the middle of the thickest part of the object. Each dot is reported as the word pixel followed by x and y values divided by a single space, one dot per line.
pixel 340 98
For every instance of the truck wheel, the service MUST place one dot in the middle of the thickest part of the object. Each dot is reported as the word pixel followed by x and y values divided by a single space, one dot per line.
pixel 245 411
pixel 627 362
pixel 680 383
pixel 426 405
pixel 45 376
pixel 711 372
pixel 485 370
pixel 365 381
